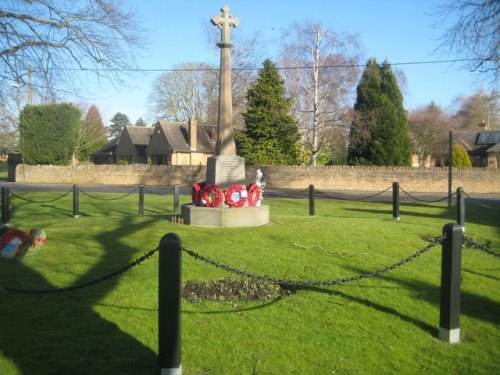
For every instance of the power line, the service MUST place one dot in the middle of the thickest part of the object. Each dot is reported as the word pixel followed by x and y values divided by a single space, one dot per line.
pixel 337 66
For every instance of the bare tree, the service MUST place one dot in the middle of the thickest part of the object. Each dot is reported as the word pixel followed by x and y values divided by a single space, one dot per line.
pixel 44 43
pixel 429 128
pixel 320 68
pixel 475 33
pixel 190 90
pixel 479 111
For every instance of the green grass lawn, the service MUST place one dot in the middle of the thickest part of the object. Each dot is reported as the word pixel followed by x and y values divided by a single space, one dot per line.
pixel 383 325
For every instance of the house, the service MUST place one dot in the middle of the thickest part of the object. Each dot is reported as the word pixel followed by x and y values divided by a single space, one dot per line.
pixel 174 143
pixel 106 154
pixel 131 147
pixel 483 147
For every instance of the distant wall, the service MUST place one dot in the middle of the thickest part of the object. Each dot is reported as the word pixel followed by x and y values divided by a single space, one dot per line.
pixel 473 180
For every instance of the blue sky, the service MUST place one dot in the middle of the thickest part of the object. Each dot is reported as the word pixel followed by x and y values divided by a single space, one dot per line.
pixel 398 31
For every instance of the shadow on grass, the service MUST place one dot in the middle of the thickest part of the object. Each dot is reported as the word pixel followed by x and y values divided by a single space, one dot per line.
pixel 60 333
pixel 472 305
pixel 378 307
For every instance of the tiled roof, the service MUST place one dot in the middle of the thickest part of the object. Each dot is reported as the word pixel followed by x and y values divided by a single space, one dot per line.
pixel 139 135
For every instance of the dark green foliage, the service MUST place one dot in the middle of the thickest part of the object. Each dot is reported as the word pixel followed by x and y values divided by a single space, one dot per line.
pixel 379 133
pixel 49 133
pixel 460 158
pixel 270 134
pixel 118 122
pixel 140 122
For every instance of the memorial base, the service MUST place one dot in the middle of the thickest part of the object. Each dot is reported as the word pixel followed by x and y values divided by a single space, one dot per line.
pixel 225 217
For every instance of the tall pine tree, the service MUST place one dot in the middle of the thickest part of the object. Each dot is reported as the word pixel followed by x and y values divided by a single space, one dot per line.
pixel 270 134
pixel 379 133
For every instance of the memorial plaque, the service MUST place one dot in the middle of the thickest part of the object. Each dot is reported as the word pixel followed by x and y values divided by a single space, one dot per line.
pixel 225 170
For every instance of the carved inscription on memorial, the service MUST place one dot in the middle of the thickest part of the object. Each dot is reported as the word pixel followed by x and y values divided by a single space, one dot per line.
pixel 225 170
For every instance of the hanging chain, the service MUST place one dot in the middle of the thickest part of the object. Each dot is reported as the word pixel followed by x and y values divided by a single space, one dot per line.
pixel 427 200
pixel 83 284
pixel 301 284
pixel 353 199
pixel 39 202
pixel 107 199
pixel 471 243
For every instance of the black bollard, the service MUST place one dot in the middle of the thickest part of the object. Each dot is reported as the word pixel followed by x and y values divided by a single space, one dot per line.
pixel 395 201
pixel 169 305
pixel 312 210
pixel 5 205
pixel 141 200
pixel 449 313
pixel 461 208
pixel 76 201
pixel 176 199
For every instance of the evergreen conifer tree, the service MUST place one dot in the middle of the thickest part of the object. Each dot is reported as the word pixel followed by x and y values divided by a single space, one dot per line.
pixel 379 133
pixel 460 158
pixel 118 122
pixel 270 135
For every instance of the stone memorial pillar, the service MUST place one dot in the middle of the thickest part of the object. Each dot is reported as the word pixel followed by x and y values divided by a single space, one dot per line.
pixel 225 168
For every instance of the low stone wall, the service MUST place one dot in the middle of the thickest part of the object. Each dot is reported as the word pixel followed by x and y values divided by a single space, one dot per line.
pixel 473 180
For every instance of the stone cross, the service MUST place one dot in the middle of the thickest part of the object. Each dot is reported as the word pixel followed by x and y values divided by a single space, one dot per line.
pixel 224 22
pixel 225 135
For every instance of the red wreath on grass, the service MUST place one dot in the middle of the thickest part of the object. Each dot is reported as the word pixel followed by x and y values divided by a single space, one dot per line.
pixel 211 196
pixel 235 196
pixel 253 194
pixel 195 192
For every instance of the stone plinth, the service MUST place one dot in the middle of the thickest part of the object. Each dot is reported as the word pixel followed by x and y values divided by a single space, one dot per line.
pixel 225 217
pixel 225 170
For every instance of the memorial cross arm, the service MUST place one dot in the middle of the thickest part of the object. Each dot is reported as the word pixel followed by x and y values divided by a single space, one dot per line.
pixel 225 21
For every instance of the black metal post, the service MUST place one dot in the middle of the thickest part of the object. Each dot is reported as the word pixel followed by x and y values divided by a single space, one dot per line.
pixel 450 167
pixel 169 305
pixel 395 201
pixel 5 205
pixel 449 314
pixel 461 208
pixel 312 210
pixel 176 199
pixel 76 201
pixel 141 200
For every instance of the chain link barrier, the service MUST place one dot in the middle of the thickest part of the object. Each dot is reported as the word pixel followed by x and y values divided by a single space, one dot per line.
pixel 82 285
pixel 329 195
pixel 107 199
pixel 39 202
pixel 303 283
pixel 480 203
pixel 427 200
pixel 467 241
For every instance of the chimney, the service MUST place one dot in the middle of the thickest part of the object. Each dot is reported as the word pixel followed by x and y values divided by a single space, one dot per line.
pixel 192 124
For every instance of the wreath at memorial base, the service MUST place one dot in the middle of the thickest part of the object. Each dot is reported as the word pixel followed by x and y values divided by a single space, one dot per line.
pixel 253 194
pixel 195 192
pixel 211 196
pixel 235 196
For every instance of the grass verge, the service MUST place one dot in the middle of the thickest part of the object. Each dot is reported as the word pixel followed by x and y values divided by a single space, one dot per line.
pixel 383 325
